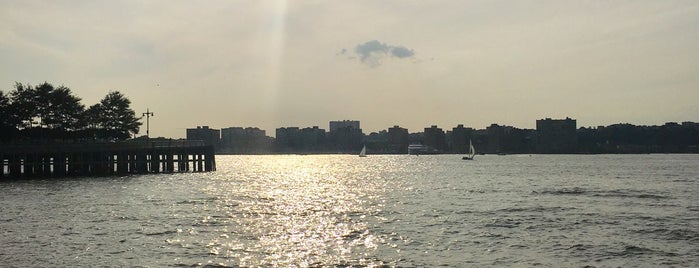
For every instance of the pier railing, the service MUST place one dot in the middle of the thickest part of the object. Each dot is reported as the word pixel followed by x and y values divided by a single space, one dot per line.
pixel 33 147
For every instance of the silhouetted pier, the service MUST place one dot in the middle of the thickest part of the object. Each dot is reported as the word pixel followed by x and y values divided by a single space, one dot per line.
pixel 109 158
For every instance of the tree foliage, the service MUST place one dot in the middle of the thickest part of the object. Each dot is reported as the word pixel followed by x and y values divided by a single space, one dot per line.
pixel 4 109
pixel 48 112
pixel 46 106
pixel 63 110
pixel 22 109
pixel 113 117
pixel 8 130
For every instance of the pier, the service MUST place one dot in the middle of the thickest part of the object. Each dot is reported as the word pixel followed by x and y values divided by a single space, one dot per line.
pixel 104 158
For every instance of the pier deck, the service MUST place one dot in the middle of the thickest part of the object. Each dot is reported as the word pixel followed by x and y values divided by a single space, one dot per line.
pixel 104 158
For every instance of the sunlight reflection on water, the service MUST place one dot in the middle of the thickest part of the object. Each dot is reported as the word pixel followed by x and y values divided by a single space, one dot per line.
pixel 300 210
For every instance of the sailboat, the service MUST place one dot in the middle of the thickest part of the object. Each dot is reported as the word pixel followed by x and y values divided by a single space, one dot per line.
pixel 471 152
pixel 363 152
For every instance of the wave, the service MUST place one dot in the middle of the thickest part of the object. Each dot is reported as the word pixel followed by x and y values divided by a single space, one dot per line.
pixel 672 234
pixel 504 223
pixel 629 194
pixel 197 201
pixel 563 191
pixel 631 250
pixel 581 247
pixel 208 265
pixel 602 252
pixel 161 233
pixel 603 193
pixel 534 209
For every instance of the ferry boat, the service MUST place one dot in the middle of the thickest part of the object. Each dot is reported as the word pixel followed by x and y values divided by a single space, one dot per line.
pixel 418 149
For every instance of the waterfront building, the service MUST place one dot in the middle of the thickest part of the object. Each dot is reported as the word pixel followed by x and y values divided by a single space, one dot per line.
pixel 210 136
pixel 313 139
pixel 237 140
pixel 336 125
pixel 231 137
pixel 398 140
pixel 345 136
pixel 288 139
pixel 460 137
pixel 376 142
pixel 556 135
pixel 495 138
pixel 436 138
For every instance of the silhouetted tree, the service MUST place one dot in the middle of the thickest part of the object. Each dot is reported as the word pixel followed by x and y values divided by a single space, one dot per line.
pixel 113 117
pixel 23 104
pixel 52 108
pixel 44 112
pixel 63 110
pixel 8 131
pixel 4 109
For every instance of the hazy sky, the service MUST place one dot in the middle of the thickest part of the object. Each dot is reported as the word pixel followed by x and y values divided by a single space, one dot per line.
pixel 272 64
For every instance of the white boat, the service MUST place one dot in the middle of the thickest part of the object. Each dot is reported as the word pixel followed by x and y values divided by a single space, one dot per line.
pixel 363 152
pixel 471 152
pixel 418 149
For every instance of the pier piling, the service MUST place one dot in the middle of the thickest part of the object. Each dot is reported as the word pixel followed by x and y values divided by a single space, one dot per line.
pixel 107 158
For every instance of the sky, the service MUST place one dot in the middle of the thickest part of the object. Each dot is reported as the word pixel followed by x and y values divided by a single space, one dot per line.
pixel 277 63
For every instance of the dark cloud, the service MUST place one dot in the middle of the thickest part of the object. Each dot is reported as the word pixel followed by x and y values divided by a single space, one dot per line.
pixel 402 52
pixel 373 51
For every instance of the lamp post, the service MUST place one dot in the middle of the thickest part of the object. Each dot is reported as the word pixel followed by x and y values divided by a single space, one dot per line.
pixel 148 114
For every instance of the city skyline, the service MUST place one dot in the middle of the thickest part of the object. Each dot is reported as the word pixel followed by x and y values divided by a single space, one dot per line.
pixel 550 136
pixel 272 64
pixel 326 128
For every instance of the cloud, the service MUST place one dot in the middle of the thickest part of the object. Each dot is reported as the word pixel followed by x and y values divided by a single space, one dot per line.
pixel 371 52
pixel 402 52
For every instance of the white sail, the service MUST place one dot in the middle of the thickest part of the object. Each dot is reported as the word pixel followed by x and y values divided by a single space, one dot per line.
pixel 363 152
pixel 471 152
pixel 471 149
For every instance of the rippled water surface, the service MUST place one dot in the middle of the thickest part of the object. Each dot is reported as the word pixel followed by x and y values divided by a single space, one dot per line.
pixel 342 210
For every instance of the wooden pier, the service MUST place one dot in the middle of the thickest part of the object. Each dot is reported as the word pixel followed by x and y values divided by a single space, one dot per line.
pixel 108 158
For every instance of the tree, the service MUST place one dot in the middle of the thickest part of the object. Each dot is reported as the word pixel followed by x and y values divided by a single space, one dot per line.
pixel 64 110
pixel 113 117
pixel 7 128
pixel 52 108
pixel 4 109
pixel 23 104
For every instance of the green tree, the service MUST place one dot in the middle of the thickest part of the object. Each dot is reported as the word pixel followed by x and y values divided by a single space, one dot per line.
pixel 113 117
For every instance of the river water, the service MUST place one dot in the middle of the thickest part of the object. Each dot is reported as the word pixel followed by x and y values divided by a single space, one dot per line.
pixel 342 210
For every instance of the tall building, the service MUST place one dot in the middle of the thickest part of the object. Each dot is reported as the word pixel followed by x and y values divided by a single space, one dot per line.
pixel 495 138
pixel 238 140
pixel 436 138
pixel 460 137
pixel 231 135
pixel 313 139
pixel 335 125
pixel 345 136
pixel 210 136
pixel 398 140
pixel 556 135
pixel 288 139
